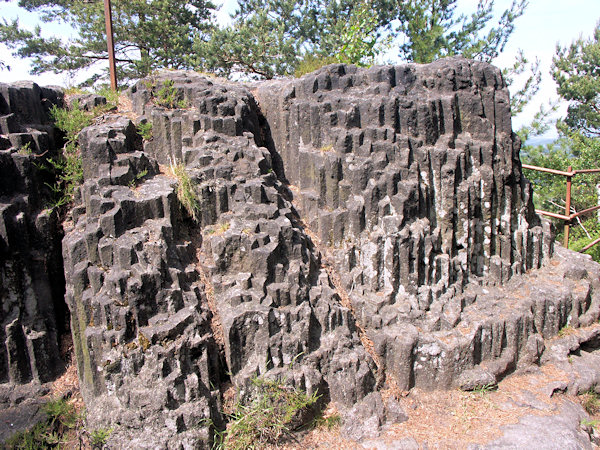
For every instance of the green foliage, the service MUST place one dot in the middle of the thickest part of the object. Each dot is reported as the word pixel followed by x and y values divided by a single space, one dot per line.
pixel 310 62
pixel 145 130
pixel 359 42
pixel 273 411
pixel 138 177
pixel 575 70
pixel 67 167
pixel 433 30
pixel 70 121
pixel 270 38
pixel 186 191
pixel 147 35
pixel 32 439
pixel 99 437
pixel 25 149
pixel 61 417
pixel 168 96
pixel 523 95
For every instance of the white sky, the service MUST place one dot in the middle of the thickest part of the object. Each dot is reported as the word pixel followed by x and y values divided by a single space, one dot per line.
pixel 544 24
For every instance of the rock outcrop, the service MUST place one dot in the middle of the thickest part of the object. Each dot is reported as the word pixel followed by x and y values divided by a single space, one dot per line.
pixel 33 313
pixel 351 230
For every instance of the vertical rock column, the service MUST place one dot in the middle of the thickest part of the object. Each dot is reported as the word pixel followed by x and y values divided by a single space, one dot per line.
pixel 32 312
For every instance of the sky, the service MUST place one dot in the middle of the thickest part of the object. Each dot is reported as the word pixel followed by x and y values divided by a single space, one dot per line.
pixel 544 24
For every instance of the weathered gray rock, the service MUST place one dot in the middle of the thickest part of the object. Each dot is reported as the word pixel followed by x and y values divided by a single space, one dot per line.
pixel 366 419
pixel 353 226
pixel 560 431
pixel 32 313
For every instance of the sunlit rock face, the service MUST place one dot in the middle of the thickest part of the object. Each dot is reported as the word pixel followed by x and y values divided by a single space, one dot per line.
pixel 352 229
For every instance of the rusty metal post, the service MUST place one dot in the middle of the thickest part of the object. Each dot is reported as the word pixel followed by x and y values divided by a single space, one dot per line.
pixel 568 209
pixel 111 46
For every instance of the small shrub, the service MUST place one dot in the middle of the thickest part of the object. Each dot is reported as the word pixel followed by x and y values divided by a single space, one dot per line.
pixel 168 96
pixel 144 129
pixel 25 149
pixel 112 97
pixel 71 121
pixel 99 437
pixel 273 411
pixel 186 191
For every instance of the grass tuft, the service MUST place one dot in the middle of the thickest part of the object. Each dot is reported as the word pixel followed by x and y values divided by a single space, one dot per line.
pixel 61 417
pixel 186 191
pixel 273 411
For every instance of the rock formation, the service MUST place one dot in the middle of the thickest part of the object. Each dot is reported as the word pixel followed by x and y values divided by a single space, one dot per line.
pixel 355 229
pixel 33 313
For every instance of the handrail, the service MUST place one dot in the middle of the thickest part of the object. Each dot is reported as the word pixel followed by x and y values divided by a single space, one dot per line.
pixel 544 169
pixel 568 216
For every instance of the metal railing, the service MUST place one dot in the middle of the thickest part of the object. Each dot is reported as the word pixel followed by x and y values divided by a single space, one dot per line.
pixel 567 216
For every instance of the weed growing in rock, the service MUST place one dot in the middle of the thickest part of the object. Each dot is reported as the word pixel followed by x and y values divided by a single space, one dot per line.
pixel 61 417
pixel 566 331
pixel 168 96
pixel 186 190
pixel 138 176
pixel 67 166
pixel 485 389
pixel 273 411
pixel 145 130
pixel 329 422
pixel 590 402
pixel 99 437
pixel 25 149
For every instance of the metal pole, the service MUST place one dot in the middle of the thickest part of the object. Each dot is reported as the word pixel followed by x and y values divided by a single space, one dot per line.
pixel 568 209
pixel 111 46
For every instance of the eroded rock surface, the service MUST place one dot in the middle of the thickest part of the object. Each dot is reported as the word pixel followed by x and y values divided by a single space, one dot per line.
pixel 32 314
pixel 356 229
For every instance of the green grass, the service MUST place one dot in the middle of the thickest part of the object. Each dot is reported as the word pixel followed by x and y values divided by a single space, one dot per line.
pixel 186 191
pixel 273 411
pixel 61 418
pixel 565 331
pixel 144 129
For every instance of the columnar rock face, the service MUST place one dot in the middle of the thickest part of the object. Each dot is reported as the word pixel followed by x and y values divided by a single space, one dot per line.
pixel 346 231
pixel 167 311
pixel 32 313
pixel 411 174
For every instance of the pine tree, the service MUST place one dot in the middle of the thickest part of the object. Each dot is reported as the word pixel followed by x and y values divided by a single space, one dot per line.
pixel 148 35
